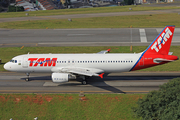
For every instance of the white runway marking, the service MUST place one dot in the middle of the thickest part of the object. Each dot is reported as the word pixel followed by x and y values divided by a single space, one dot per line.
pixel 142 35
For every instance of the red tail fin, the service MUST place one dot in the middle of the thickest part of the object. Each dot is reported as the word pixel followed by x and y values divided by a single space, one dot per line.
pixel 162 43
pixel 157 52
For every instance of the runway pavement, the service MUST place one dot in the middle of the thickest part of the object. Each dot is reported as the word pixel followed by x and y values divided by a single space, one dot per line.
pixel 82 37
pixel 132 82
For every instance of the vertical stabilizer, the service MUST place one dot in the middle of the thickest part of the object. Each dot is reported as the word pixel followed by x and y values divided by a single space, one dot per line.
pixel 162 43
pixel 157 52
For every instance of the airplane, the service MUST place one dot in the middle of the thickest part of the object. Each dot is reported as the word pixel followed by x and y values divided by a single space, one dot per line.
pixel 71 66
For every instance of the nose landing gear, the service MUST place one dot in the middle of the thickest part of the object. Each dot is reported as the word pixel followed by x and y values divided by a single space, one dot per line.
pixel 27 79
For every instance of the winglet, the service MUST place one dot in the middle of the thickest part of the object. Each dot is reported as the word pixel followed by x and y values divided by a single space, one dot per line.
pixel 101 75
pixel 108 50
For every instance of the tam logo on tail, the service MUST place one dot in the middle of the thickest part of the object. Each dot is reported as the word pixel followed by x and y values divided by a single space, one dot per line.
pixel 163 38
pixel 162 43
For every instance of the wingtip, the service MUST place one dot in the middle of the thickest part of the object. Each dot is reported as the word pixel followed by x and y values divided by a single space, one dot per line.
pixel 101 75
pixel 108 50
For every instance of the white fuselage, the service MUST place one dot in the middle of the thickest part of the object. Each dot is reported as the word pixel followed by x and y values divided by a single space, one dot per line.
pixel 106 62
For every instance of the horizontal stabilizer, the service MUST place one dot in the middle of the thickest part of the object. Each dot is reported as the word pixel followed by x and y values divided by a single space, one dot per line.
pixel 158 60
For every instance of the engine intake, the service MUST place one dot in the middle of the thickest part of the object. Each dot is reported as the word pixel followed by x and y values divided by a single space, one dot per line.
pixel 62 77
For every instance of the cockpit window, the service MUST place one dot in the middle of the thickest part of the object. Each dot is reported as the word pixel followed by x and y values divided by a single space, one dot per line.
pixel 13 61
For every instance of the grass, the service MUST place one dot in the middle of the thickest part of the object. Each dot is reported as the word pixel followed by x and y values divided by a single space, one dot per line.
pixel 85 11
pixel 68 106
pixel 8 53
pixel 136 21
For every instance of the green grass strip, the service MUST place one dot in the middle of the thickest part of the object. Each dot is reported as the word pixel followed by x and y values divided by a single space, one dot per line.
pixel 136 21
pixel 85 11
pixel 68 106
pixel 8 53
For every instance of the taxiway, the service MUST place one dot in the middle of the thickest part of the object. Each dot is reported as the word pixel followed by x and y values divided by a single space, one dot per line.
pixel 132 82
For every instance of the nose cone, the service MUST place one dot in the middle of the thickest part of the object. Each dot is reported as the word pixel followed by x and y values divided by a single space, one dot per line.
pixel 7 66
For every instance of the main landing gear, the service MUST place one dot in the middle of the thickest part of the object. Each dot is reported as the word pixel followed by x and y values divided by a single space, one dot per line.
pixel 84 80
pixel 27 79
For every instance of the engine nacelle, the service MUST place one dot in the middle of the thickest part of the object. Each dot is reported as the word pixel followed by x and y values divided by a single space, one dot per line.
pixel 62 77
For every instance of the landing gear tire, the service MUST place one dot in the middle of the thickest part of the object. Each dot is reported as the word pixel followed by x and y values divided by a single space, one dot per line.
pixel 84 82
pixel 27 79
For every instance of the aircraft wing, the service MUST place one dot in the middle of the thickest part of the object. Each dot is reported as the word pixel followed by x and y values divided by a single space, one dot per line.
pixel 79 71
pixel 104 51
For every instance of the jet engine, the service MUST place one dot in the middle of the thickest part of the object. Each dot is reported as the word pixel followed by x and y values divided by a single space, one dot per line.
pixel 62 77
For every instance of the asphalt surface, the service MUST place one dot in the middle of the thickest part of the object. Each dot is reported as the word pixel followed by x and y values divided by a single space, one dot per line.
pixel 132 82
pixel 82 37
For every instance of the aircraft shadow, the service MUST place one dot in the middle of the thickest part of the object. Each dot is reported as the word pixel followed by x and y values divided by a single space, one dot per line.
pixel 111 78
pixel 101 83
pixel 41 78
pixel 2 63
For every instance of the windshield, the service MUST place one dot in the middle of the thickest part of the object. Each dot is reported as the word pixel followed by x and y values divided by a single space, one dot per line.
pixel 13 61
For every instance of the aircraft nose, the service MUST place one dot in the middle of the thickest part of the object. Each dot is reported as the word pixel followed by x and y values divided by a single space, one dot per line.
pixel 7 66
